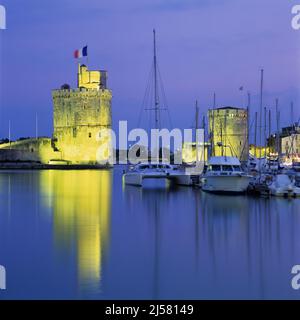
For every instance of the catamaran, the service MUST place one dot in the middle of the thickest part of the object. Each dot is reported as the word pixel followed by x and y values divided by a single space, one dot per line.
pixel 145 171
pixel 170 174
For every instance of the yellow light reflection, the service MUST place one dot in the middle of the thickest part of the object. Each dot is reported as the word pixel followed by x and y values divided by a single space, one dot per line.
pixel 81 203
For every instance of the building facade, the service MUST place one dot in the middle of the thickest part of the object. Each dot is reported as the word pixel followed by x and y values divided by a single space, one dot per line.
pixel 228 132
pixel 81 119
pixel 290 141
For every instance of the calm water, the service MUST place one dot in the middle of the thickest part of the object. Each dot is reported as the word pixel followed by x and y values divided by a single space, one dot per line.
pixel 82 235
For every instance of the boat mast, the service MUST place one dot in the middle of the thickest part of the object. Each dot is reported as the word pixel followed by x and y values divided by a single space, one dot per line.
pixel 261 111
pixel 270 123
pixel 277 129
pixel 269 134
pixel 292 128
pixel 225 135
pixel 265 131
pixel 255 134
pixel 9 134
pixel 292 114
pixel 36 126
pixel 204 138
pixel 212 137
pixel 197 115
pixel 196 128
pixel 156 100
pixel 248 121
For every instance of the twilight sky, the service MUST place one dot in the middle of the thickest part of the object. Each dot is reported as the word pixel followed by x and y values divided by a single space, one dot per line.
pixel 203 46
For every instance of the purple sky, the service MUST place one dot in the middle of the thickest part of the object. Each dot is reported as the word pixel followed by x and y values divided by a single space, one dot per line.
pixel 203 46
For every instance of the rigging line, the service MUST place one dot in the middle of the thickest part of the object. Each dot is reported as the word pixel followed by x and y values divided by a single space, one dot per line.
pixel 250 127
pixel 233 150
pixel 146 94
pixel 165 98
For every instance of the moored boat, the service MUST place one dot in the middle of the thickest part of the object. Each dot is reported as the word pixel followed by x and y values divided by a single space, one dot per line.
pixel 284 186
pixel 225 175
pixel 139 173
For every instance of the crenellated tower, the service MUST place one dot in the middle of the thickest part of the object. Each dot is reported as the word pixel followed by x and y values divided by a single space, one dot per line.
pixel 80 115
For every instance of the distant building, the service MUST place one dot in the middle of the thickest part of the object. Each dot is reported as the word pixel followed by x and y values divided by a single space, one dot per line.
pixel 290 141
pixel 260 151
pixel 228 132
pixel 81 116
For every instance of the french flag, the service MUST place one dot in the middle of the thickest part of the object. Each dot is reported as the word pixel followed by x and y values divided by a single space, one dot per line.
pixel 81 53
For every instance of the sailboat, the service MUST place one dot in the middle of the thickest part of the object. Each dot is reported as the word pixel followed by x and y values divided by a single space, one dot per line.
pixel 137 175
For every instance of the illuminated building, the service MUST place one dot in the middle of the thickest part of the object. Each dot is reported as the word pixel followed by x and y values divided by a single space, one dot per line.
pixel 82 123
pixel 228 131
pixel 257 151
pixel 32 150
pixel 290 142
pixel 80 116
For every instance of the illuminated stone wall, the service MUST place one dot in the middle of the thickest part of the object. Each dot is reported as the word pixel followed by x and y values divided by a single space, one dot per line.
pixel 91 79
pixel 36 150
pixel 229 126
pixel 79 116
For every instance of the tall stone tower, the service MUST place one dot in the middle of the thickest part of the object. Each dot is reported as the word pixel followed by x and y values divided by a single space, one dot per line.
pixel 228 129
pixel 80 117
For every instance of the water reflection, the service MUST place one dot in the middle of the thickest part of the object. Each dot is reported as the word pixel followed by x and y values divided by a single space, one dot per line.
pixel 70 234
pixel 227 247
pixel 152 202
pixel 81 204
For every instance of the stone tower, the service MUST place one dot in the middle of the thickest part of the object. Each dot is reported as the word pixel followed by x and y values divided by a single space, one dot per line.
pixel 81 116
pixel 228 126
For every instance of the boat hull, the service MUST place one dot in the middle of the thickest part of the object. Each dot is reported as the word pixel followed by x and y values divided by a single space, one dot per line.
pixel 225 184
pixel 138 179
pixel 184 179
pixel 284 192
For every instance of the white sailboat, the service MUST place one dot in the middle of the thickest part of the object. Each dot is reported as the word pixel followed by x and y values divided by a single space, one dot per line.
pixel 142 172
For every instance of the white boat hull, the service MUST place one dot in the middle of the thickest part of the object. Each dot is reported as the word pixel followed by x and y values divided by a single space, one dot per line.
pixel 137 179
pixel 225 184
pixel 285 192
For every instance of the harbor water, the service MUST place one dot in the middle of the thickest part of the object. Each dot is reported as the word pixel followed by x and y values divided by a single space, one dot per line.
pixel 85 235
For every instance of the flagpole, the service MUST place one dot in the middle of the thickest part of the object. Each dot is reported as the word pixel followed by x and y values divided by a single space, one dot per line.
pixel 87 61
pixel 87 57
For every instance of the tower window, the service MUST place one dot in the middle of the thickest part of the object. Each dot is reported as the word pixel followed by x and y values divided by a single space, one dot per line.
pixel 90 134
